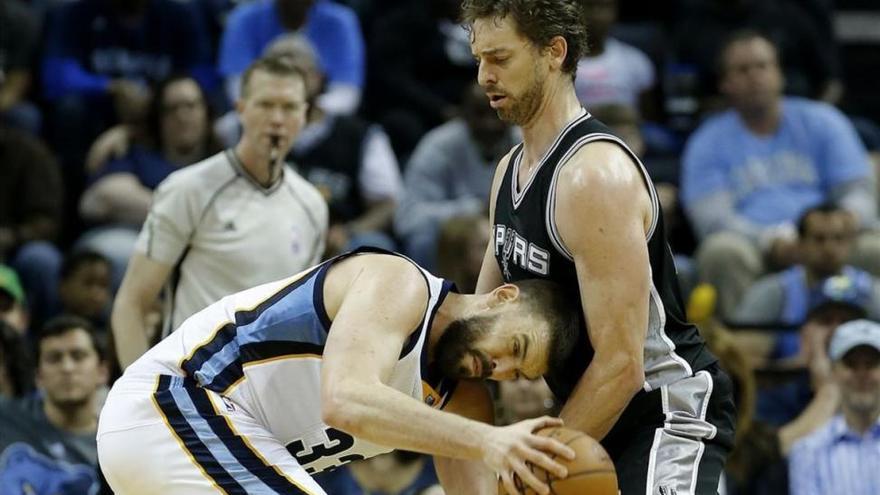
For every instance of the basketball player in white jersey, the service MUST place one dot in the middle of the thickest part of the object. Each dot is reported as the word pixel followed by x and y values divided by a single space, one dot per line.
pixel 346 360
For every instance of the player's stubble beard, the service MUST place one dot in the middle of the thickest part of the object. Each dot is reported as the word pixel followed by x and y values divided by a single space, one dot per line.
pixel 523 109
pixel 455 348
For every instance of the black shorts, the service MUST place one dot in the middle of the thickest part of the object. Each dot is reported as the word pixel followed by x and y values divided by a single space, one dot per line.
pixel 675 439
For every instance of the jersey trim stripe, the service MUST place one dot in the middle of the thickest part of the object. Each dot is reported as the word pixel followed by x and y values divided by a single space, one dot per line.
pixel 210 438
pixel 661 331
pixel 258 353
pixel 517 193
pixel 166 411
pixel 226 331
pixel 553 230
pixel 190 441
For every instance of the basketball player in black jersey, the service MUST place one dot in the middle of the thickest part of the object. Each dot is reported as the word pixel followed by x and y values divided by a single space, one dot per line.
pixel 573 204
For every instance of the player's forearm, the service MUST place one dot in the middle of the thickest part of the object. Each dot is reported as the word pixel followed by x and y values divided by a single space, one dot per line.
pixel 602 394
pixel 129 331
pixel 383 415
pixel 460 477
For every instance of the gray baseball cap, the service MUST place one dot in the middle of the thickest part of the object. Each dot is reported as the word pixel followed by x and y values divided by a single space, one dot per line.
pixel 853 334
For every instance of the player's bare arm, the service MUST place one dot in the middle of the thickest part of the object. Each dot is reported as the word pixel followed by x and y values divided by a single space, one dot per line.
pixel 603 213
pixel 377 313
pixel 490 274
pixel 140 287
pixel 471 399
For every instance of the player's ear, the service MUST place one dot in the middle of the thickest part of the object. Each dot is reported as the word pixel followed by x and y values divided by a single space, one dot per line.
pixel 503 294
pixel 557 49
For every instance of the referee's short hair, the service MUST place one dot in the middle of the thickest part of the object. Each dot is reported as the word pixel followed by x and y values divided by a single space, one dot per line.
pixel 277 65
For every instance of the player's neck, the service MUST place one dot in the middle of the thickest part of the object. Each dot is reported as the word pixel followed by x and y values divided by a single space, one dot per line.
pixel 560 106
pixel 455 306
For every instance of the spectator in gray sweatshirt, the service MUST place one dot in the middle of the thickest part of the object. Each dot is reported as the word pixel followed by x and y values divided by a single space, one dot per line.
pixel 450 174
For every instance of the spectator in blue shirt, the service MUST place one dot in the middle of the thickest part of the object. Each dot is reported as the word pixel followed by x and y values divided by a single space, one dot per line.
pixel 331 28
pixel 748 173
pixel 843 455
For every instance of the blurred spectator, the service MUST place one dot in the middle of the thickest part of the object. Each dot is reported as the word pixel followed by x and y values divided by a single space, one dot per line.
pixel 825 236
pixel 31 192
pixel 612 72
pixel 16 376
pixel 48 441
pixel 99 61
pixel 450 174
pixel 420 65
pixel 125 172
pixel 749 173
pixel 350 161
pixel 13 311
pixel 843 455
pixel 522 399
pixel 18 40
pixel 396 473
pixel 461 247
pixel 331 28
pixel 235 220
pixel 809 56
pixel 780 401
pixel 855 32
pixel 84 287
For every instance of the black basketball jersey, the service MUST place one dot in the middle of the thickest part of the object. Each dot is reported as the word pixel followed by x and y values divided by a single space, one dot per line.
pixel 527 245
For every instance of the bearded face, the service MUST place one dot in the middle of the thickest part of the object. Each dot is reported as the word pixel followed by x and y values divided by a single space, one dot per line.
pixel 521 109
pixel 456 354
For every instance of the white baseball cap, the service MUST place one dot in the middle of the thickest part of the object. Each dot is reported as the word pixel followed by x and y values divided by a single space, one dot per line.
pixel 853 334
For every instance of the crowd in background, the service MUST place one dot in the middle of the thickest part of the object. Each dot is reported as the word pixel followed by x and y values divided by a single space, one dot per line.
pixel 758 122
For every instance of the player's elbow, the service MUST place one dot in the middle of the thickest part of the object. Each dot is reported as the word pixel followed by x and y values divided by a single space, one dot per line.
pixel 339 409
pixel 627 372
pixel 632 376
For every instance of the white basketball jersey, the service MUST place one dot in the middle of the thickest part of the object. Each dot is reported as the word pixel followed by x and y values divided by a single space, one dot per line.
pixel 261 349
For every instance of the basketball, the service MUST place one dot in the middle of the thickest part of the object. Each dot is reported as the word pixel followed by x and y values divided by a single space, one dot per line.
pixel 590 473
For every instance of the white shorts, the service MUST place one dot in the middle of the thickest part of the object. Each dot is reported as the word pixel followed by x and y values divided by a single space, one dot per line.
pixel 164 434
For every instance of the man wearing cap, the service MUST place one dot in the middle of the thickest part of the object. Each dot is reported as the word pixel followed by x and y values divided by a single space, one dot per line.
pixel 12 309
pixel 843 455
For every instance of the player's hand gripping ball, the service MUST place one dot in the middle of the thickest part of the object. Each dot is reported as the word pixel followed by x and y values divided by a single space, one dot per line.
pixel 590 473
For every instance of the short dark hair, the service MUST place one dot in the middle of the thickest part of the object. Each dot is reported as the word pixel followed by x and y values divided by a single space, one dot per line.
pixel 77 259
pixel 15 358
pixel 550 301
pixel 60 325
pixel 825 208
pixel 538 20
pixel 738 36
pixel 278 65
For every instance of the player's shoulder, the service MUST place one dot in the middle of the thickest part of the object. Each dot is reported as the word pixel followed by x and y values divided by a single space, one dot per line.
pixel 398 276
pixel 596 159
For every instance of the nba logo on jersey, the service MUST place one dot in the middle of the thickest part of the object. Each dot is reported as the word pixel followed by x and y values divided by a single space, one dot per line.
pixel 524 254
pixel 431 397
